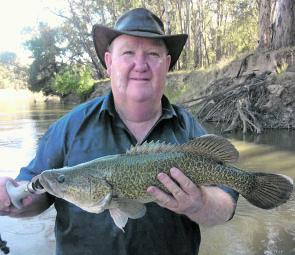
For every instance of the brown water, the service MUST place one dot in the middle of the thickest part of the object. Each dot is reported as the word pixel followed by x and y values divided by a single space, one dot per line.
pixel 252 231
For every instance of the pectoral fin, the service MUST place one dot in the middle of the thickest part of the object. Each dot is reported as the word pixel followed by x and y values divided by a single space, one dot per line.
pixel 119 218
pixel 122 209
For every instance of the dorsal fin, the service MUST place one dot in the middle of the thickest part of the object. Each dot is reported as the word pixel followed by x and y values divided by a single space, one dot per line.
pixel 212 146
pixel 152 147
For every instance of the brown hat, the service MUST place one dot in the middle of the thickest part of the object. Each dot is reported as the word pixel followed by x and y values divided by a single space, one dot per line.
pixel 137 22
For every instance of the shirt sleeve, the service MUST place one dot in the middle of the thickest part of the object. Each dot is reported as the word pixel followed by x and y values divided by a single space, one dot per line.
pixel 50 152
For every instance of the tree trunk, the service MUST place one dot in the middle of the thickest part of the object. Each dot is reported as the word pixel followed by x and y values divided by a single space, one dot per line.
pixel 187 31
pixel 218 49
pixel 143 3
pixel 195 34
pixel 284 25
pixel 168 22
pixel 264 24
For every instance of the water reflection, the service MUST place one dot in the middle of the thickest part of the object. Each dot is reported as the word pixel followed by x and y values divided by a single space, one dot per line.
pixel 21 126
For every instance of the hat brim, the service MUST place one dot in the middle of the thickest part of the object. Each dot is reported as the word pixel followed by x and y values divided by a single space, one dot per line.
pixel 103 36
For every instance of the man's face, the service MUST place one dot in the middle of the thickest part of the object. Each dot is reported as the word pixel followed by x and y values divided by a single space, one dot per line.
pixel 137 67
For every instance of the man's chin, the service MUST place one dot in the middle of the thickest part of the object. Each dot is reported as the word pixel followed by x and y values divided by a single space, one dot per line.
pixel 141 98
pixel 140 94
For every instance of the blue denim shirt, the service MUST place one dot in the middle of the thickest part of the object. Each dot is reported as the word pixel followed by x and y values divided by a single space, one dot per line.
pixel 93 130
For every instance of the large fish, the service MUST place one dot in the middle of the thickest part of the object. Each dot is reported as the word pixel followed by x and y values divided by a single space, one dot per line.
pixel 119 182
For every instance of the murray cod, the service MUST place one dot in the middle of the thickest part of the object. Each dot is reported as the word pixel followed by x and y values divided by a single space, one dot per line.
pixel 119 182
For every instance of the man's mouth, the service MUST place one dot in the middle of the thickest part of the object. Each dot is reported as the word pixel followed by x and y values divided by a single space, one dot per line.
pixel 140 79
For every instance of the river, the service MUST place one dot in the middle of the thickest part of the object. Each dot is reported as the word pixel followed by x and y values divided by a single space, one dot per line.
pixel 252 231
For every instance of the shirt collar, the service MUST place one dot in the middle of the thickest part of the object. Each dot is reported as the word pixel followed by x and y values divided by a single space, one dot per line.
pixel 168 111
pixel 109 107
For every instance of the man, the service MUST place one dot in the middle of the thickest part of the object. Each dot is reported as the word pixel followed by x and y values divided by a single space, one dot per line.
pixel 137 55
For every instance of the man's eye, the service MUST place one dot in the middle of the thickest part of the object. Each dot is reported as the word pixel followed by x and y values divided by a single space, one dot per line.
pixel 154 54
pixel 128 52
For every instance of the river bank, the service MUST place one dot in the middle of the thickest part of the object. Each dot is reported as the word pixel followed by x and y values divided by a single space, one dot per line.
pixel 252 93
pixel 24 95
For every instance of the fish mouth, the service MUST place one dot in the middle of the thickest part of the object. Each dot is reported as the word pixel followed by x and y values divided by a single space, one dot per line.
pixel 48 185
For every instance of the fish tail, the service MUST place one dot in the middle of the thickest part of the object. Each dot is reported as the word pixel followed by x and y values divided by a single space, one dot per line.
pixel 270 190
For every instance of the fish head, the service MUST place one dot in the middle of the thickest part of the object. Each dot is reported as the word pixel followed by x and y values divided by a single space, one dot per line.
pixel 73 186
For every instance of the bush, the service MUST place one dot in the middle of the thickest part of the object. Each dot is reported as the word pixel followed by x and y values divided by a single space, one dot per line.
pixel 73 80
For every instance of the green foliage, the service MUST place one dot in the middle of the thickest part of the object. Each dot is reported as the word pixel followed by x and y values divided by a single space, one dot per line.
pixel 76 80
pixel 45 51
pixel 217 29
pixel 242 33
pixel 13 76
pixel 281 67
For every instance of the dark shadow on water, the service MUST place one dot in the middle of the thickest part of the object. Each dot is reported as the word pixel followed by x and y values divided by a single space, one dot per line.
pixel 45 114
pixel 280 138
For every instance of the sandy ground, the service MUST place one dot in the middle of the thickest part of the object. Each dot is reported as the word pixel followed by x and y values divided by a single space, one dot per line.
pixel 29 236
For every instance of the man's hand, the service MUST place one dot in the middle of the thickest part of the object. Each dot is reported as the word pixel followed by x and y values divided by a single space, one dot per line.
pixel 186 197
pixel 4 198
pixel 6 208
pixel 32 205
pixel 202 204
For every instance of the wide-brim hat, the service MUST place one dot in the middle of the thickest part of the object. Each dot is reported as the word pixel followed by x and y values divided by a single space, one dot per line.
pixel 138 22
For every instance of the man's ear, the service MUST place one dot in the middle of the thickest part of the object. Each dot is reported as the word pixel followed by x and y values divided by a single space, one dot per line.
pixel 108 61
pixel 168 61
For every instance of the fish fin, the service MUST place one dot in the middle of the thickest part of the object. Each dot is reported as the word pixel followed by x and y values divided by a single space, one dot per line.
pixel 131 208
pixel 270 190
pixel 213 146
pixel 122 209
pixel 119 218
pixel 151 147
pixel 210 145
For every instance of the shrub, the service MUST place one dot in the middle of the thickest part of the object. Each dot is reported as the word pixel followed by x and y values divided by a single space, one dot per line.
pixel 73 80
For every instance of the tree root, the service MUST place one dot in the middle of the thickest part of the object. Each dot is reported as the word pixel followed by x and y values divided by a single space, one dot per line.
pixel 243 110
pixel 235 105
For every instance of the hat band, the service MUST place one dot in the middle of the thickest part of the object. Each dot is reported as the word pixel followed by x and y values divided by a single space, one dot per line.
pixel 141 30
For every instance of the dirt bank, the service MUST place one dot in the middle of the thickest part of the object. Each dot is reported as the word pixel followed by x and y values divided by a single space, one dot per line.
pixel 252 93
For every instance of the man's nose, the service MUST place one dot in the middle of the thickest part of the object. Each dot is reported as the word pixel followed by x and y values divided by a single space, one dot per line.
pixel 140 63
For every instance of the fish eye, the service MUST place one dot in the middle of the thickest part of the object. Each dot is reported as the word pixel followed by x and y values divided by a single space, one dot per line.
pixel 61 178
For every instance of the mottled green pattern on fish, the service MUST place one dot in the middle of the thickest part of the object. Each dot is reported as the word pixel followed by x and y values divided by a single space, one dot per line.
pixel 131 175
pixel 119 182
